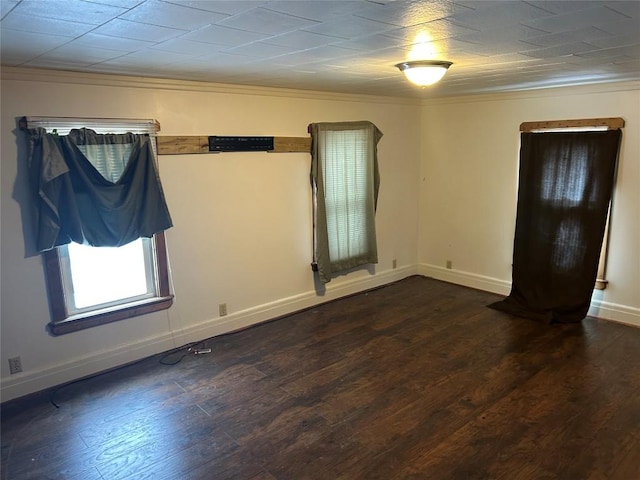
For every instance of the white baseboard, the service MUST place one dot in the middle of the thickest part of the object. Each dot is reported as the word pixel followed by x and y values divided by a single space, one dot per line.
pixel 83 366
pixel 268 311
pixel 80 367
pixel 599 309
pixel 615 312
pixel 480 282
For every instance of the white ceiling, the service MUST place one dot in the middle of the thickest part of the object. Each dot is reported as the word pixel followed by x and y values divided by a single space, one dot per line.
pixel 337 46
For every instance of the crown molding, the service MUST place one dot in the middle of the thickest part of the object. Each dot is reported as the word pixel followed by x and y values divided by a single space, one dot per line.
pixel 566 90
pixel 24 74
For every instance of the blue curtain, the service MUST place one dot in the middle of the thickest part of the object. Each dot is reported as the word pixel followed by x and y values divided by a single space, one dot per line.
pixel 75 202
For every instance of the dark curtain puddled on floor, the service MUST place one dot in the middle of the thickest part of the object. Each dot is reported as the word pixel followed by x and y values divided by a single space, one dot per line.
pixel 76 202
pixel 565 186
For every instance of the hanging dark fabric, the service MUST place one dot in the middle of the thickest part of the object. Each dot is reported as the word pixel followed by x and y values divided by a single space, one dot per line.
pixel 565 186
pixel 75 202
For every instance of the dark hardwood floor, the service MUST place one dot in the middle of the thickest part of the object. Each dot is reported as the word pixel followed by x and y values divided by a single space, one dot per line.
pixel 416 380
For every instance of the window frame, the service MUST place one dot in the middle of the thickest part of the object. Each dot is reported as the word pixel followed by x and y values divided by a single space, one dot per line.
pixel 62 323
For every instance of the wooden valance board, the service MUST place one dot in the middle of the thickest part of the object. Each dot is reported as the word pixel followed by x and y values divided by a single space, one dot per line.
pixel 613 123
pixel 182 145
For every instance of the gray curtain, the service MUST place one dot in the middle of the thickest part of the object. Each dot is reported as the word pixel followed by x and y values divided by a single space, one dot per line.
pixel 75 202
pixel 345 180
pixel 566 183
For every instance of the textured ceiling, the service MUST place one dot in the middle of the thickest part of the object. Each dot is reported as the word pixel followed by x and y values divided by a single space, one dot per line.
pixel 336 46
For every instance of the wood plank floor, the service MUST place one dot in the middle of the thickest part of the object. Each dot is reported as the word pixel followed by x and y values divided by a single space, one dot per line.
pixel 416 380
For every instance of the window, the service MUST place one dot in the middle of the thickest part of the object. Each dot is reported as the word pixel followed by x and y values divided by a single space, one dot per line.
pixel 88 290
pixel 90 286
pixel 81 296
pixel 345 185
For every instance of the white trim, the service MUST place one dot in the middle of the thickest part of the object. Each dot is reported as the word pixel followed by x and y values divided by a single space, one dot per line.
pixel 79 367
pixel 615 312
pixel 566 90
pixel 467 279
pixel 23 74
pixel 278 308
pixel 599 309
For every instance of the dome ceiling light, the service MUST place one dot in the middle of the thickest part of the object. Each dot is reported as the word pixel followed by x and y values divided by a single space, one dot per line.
pixel 424 72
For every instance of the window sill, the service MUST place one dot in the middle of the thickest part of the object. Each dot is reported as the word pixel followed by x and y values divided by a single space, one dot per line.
pixel 74 323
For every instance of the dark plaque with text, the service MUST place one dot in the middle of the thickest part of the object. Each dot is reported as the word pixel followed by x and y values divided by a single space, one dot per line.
pixel 240 144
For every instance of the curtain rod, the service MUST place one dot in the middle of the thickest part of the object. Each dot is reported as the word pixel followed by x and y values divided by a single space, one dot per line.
pixel 612 123
pixel 24 122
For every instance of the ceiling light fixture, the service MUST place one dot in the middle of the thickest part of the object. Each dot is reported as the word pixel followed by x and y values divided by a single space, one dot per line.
pixel 424 72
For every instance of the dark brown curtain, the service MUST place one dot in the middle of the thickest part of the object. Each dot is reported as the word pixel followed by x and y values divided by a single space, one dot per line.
pixel 565 186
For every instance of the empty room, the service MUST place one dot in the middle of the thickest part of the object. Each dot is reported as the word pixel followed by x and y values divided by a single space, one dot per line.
pixel 283 240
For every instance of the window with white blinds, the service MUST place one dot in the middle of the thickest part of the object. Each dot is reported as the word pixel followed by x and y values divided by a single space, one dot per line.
pixel 345 185
pixel 348 186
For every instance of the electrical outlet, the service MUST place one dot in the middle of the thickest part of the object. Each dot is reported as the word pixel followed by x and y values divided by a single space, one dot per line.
pixel 449 264
pixel 394 263
pixel 15 365
pixel 222 308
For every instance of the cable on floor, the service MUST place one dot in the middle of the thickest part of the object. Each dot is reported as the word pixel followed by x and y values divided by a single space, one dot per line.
pixel 195 348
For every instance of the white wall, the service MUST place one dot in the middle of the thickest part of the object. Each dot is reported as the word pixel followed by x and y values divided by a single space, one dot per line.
pixel 468 188
pixel 242 221
pixel 242 233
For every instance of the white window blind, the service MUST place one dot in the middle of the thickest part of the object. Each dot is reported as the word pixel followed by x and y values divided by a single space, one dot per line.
pixel 348 184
